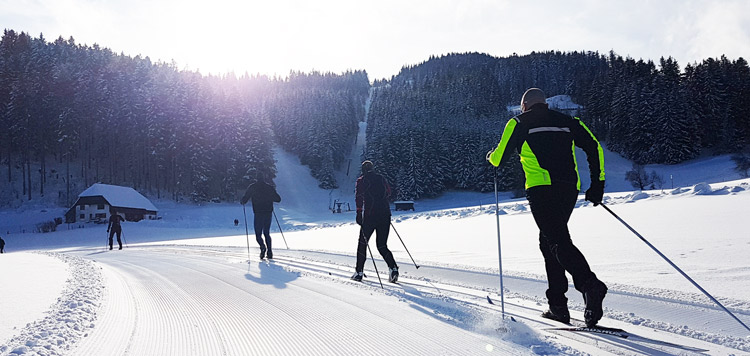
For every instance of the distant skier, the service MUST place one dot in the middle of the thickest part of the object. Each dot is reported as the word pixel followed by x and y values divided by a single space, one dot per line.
pixel 262 194
pixel 373 215
pixel 2 245
pixel 114 227
pixel 236 222
pixel 544 139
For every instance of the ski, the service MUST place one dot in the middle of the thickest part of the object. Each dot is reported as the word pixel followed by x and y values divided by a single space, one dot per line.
pixel 626 335
pixel 576 326
pixel 595 329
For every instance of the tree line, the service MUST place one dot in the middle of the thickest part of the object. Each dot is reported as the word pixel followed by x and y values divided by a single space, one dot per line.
pixel 430 125
pixel 100 116
pixel 105 117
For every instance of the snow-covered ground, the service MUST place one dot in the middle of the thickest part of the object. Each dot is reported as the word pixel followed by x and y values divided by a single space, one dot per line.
pixel 186 285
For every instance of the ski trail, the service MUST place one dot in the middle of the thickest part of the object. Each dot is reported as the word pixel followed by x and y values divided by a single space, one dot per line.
pixel 528 312
pixel 350 171
pixel 173 302
pixel 116 321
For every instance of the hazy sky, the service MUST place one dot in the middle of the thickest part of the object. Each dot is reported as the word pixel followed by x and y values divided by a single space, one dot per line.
pixel 380 36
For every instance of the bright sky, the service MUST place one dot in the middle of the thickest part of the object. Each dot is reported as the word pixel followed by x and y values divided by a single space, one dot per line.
pixel 380 36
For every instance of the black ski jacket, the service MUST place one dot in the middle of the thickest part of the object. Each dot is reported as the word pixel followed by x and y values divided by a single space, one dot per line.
pixel 546 140
pixel 371 195
pixel 262 196
pixel 114 222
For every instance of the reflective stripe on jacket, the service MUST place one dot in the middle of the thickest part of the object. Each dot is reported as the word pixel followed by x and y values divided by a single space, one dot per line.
pixel 546 141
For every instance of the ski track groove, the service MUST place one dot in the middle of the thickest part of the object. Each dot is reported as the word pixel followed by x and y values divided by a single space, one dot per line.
pixel 226 304
pixel 476 298
pixel 179 303
pixel 223 310
pixel 404 345
pixel 472 298
pixel 118 306
pixel 257 333
pixel 167 313
pixel 311 319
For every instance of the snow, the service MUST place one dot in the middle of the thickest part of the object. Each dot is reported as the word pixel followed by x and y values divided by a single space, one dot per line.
pixel 30 280
pixel 119 196
pixel 187 284
pixel 50 329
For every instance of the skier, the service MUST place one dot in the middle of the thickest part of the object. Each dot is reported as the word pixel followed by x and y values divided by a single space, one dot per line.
pixel 544 139
pixel 262 194
pixel 114 227
pixel 2 245
pixel 373 215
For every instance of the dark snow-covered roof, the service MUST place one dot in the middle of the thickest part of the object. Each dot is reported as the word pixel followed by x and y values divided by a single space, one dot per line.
pixel 118 196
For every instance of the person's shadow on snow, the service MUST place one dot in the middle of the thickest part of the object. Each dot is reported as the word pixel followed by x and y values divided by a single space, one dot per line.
pixel 271 274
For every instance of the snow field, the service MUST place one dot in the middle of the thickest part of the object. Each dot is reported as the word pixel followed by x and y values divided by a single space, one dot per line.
pixel 184 286
pixel 69 319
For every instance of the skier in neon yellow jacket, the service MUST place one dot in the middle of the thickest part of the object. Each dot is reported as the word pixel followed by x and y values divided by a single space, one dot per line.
pixel 545 140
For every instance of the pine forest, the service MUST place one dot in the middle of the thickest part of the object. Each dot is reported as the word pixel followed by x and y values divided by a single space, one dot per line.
pixel 99 116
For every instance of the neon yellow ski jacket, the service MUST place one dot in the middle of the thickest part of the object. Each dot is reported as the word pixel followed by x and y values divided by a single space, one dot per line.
pixel 546 141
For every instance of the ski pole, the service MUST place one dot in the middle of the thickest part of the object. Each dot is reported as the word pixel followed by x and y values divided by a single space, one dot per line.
pixel 402 242
pixel 499 249
pixel 282 232
pixel 123 238
pixel 247 234
pixel 362 236
pixel 675 267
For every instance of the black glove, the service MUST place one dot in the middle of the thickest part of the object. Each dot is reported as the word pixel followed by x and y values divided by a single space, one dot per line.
pixel 359 218
pixel 595 194
pixel 107 230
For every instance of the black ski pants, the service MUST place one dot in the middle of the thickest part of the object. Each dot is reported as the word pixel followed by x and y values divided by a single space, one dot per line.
pixel 551 207
pixel 382 227
pixel 112 232
pixel 262 226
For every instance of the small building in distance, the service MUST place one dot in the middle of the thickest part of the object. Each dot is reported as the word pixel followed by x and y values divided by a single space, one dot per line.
pixel 94 203
pixel 404 205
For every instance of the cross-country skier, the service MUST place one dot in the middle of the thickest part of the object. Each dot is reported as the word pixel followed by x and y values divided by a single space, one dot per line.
pixel 114 227
pixel 373 215
pixel 262 194
pixel 2 245
pixel 545 140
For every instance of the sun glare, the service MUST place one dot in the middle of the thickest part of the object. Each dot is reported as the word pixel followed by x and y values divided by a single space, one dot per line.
pixel 257 37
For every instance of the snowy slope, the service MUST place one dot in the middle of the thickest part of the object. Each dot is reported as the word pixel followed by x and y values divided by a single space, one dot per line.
pixel 180 290
pixel 189 284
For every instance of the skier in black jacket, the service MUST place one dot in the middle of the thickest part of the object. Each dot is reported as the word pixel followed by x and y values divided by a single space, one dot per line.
pixel 545 140
pixel 2 245
pixel 373 215
pixel 114 227
pixel 262 195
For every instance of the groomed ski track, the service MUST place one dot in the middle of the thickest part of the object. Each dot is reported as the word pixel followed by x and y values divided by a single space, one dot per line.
pixel 180 302
pixel 188 300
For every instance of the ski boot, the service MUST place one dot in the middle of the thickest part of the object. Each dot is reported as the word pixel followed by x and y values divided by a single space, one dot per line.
pixel 594 295
pixel 558 313
pixel 358 276
pixel 393 278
